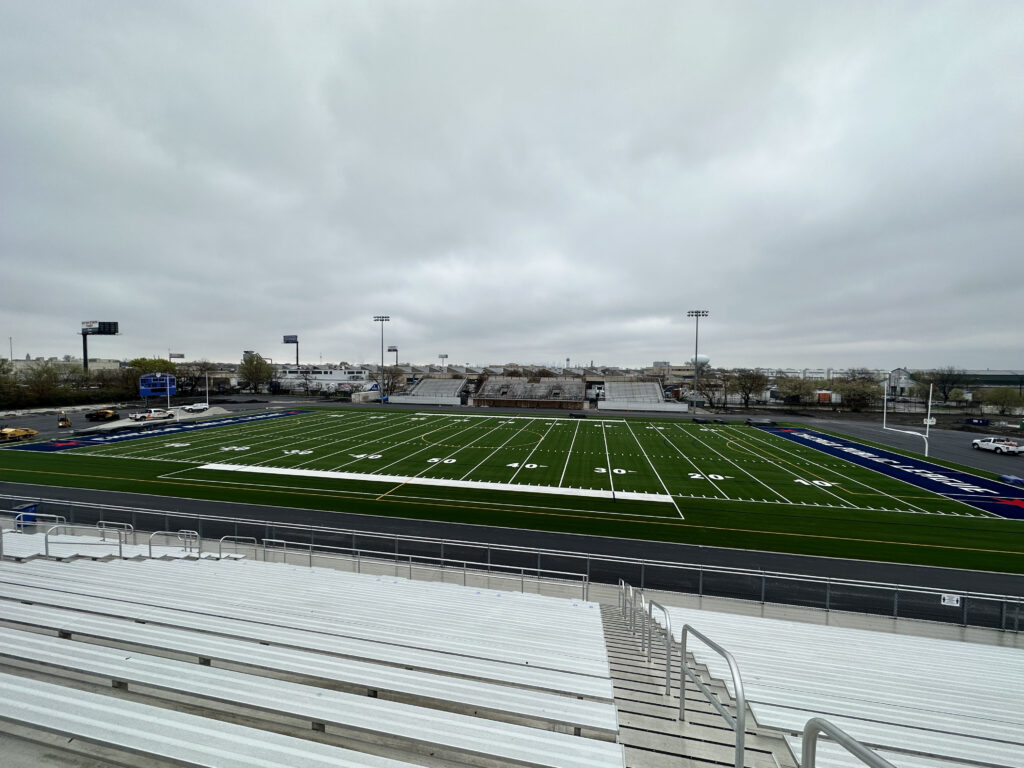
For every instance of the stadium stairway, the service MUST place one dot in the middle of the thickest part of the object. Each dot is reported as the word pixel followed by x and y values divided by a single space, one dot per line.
pixel 649 729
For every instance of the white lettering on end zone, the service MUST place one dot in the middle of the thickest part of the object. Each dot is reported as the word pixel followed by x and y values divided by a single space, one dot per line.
pixel 937 477
pixel 440 481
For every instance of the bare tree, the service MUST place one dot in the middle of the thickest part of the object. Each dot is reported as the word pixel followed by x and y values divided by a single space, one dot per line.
pixel 748 383
pixel 388 380
pixel 944 380
pixel 714 386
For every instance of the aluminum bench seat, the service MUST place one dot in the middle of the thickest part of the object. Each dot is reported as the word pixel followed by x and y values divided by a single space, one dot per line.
pixel 447 663
pixel 502 647
pixel 485 699
pixel 402 726
pixel 953 700
pixel 927 741
pixel 204 597
pixel 157 733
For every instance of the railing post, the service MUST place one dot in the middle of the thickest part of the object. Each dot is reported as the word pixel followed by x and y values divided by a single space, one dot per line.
pixel 700 581
pixel 828 595
pixel 963 615
pixel 896 602
pixel 763 585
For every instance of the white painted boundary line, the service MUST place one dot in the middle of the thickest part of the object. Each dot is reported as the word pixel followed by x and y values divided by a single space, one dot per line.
pixel 439 481
pixel 510 417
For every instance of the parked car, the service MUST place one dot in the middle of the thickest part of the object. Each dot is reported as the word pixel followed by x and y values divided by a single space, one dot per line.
pixel 998 444
pixel 152 413
pixel 196 407
pixel 102 414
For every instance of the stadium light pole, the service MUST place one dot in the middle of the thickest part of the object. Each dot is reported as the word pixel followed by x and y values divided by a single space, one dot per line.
pixel 696 314
pixel 381 319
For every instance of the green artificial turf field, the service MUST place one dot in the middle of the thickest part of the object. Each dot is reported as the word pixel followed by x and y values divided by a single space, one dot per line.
pixel 721 485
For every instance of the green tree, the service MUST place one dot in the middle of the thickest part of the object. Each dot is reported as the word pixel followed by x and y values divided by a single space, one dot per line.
pixel 1006 399
pixel 144 365
pixel 10 390
pixel 795 391
pixel 254 372
pixel 749 383
pixel 860 388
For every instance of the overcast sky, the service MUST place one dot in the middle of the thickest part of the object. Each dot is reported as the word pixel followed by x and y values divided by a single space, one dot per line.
pixel 839 184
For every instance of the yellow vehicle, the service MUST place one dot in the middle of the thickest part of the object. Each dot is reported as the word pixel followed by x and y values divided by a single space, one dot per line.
pixel 63 420
pixel 10 434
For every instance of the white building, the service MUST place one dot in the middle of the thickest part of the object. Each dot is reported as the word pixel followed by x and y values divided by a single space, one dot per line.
pixel 322 379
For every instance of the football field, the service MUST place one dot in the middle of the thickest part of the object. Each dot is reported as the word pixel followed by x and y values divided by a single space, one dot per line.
pixel 663 466
pixel 717 484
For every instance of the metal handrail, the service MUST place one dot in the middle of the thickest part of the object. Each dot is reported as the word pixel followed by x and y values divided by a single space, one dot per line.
pixel 442 563
pixel 190 539
pixel 738 721
pixel 103 539
pixel 236 540
pixel 21 519
pixel 124 529
pixel 818 725
pixel 667 630
pixel 187 538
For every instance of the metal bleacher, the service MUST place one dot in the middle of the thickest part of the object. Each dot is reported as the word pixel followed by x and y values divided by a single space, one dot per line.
pixel 634 391
pixel 433 391
pixel 916 701
pixel 382 666
pixel 513 388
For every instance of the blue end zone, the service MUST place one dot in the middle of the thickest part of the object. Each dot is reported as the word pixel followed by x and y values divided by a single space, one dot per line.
pixel 987 495
pixel 173 428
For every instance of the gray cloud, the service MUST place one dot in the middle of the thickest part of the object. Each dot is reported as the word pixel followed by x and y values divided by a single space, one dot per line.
pixel 841 185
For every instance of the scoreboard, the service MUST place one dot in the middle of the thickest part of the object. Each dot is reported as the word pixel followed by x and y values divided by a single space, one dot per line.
pixel 157 385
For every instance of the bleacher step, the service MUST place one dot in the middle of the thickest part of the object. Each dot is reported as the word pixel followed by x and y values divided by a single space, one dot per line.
pixel 649 729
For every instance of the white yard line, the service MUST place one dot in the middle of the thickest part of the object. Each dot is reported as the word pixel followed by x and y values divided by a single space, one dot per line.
pixel 511 437
pixel 693 464
pixel 741 469
pixel 439 481
pixel 608 458
pixel 655 471
pixel 530 454
pixel 569 454
pixel 428 447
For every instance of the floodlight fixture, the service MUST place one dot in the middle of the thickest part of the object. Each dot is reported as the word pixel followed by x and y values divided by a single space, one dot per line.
pixel 696 314
pixel 380 383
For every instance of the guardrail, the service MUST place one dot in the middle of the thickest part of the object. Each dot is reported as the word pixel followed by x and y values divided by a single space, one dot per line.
pixel 236 540
pixel 464 567
pixel 1004 612
pixel 68 529
pixel 189 540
